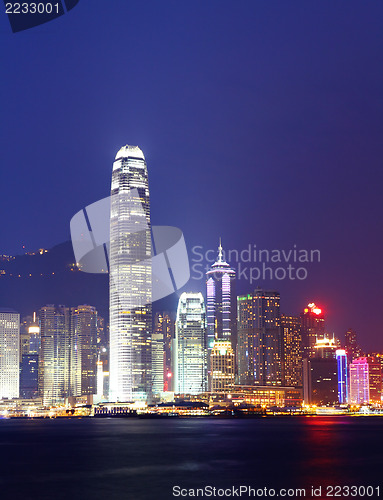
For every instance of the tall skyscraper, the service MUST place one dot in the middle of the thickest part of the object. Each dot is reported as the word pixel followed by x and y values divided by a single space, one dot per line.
pixel 158 361
pixel 163 334
pixel 68 353
pixel 84 351
pixel 189 345
pixel 222 366
pixel 312 321
pixel 291 350
pixel 259 338
pixel 221 303
pixel 55 354
pixel 34 336
pixel 130 278
pixel 9 353
pixel 365 381
pixel 342 362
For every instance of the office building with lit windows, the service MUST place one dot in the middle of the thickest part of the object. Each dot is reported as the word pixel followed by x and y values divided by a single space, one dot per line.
pixel 221 303
pixel 365 381
pixel 312 324
pixel 163 334
pixel 55 354
pixel 84 351
pixel 291 350
pixel 189 345
pixel 68 353
pixel 9 353
pixel 259 338
pixel 222 366
pixel 130 278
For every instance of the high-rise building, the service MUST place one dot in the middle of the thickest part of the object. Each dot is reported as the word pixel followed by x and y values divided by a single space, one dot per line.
pixel 352 347
pixel 342 364
pixel 9 353
pixel 312 321
pixel 25 323
pixel 84 351
pixel 68 353
pixel 29 376
pixel 158 361
pixel 163 334
pixel 130 278
pixel 34 336
pixel 221 304
pixel 365 381
pixel 189 345
pixel 259 338
pixel 55 354
pixel 222 366
pixel 291 351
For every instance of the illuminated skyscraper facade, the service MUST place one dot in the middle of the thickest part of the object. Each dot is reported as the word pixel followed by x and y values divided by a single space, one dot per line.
pixel 342 364
pixel 84 351
pixel 312 323
pixel 221 303
pixel 158 361
pixel 189 345
pixel 163 334
pixel 259 338
pixel 365 381
pixel 291 351
pixel 222 366
pixel 68 353
pixel 130 278
pixel 55 354
pixel 9 353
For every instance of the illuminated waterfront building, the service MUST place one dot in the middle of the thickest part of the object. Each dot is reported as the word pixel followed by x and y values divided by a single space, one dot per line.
pixel 68 353
pixel 259 338
pixel 221 303
pixel 222 365
pixel 189 345
pixel 130 278
pixel 365 381
pixel 291 350
pixel 342 365
pixel 312 321
pixel 9 353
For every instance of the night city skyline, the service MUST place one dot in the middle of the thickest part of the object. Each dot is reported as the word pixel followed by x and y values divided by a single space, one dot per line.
pixel 191 249
pixel 281 120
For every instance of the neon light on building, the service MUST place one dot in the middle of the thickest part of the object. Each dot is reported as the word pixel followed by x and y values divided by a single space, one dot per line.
pixel 341 357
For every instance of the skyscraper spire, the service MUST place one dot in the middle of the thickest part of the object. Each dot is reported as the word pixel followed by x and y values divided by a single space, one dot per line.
pixel 220 251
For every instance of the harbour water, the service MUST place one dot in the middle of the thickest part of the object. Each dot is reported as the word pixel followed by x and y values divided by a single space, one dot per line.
pixel 144 459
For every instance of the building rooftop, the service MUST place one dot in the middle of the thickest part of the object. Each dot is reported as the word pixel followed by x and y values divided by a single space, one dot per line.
pixel 130 151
